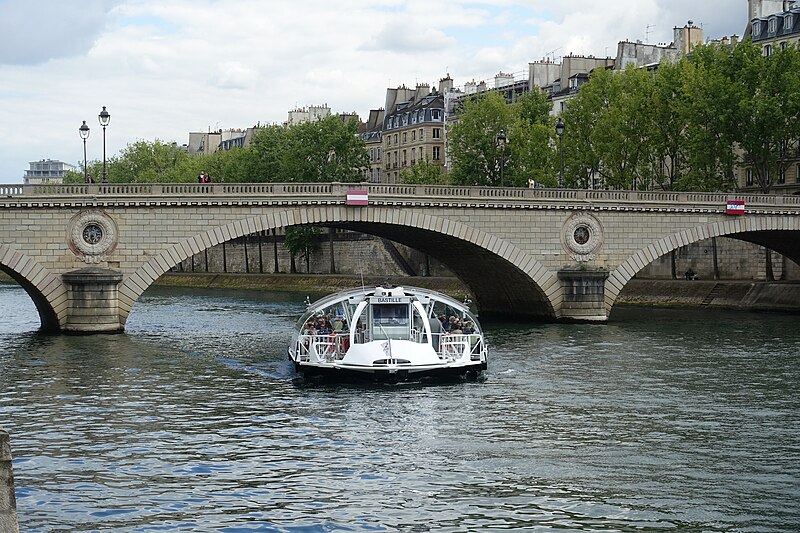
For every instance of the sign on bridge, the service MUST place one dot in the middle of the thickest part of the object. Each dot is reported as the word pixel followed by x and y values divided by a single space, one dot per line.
pixel 735 207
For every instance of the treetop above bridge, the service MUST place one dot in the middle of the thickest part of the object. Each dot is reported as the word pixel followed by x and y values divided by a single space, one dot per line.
pixel 211 194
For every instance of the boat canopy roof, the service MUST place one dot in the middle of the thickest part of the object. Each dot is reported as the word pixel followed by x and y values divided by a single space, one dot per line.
pixel 360 293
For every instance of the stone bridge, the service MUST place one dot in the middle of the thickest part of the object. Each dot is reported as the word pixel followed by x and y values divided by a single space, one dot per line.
pixel 85 253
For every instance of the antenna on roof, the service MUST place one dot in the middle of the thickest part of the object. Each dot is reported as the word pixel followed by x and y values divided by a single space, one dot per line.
pixel 647 32
pixel 552 54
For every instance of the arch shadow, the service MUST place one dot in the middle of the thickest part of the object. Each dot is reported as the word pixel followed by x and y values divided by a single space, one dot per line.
pixel 48 293
pixel 504 280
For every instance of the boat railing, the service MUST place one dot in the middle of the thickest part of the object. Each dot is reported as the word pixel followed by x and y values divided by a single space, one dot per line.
pixel 454 346
pixel 322 348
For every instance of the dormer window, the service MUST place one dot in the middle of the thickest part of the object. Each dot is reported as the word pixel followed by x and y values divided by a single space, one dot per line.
pixel 787 22
pixel 757 28
pixel 773 25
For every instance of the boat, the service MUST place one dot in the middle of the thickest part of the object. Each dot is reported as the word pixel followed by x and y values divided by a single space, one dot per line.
pixel 388 334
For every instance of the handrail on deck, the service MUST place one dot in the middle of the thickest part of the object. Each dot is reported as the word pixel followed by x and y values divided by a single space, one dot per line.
pixel 384 191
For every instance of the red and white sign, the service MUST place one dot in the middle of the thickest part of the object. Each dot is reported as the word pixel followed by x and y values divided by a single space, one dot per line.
pixel 357 197
pixel 735 207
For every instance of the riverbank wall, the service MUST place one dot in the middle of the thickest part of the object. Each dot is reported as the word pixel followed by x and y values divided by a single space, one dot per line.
pixel 744 295
pixel 781 296
pixel 307 283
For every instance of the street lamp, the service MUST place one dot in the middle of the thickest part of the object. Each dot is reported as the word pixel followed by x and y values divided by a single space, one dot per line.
pixel 83 131
pixel 502 140
pixel 560 133
pixel 104 117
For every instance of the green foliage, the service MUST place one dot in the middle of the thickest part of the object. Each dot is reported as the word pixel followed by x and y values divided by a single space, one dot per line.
pixel 687 124
pixel 326 150
pixel 266 153
pixel 148 162
pixel 479 159
pixel 302 241
pixel 424 172
pixel 766 109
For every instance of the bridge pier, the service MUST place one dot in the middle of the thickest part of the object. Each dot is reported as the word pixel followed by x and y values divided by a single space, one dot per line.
pixel 8 499
pixel 584 295
pixel 93 300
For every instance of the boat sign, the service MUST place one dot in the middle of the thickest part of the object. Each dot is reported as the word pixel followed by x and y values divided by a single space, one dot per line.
pixel 357 197
pixel 735 207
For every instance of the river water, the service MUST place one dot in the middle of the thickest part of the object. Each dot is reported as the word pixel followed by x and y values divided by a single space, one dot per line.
pixel 662 420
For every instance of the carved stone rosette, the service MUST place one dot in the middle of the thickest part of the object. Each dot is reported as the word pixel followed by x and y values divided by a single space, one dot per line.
pixel 92 236
pixel 582 237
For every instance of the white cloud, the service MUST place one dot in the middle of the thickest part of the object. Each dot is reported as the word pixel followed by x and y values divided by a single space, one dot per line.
pixel 35 32
pixel 167 68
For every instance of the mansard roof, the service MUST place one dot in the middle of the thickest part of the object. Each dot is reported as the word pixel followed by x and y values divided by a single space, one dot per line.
pixel 416 111
pixel 764 29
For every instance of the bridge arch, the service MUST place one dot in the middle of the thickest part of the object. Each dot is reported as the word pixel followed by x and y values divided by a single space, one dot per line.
pixel 781 234
pixel 46 289
pixel 502 277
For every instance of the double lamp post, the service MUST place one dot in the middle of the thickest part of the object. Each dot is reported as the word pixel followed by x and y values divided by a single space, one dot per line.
pixel 104 118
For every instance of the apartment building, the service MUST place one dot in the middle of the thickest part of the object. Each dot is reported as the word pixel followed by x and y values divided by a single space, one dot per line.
pixel 773 30
pixel 371 133
pixel 46 171
pixel 413 129
pixel 307 114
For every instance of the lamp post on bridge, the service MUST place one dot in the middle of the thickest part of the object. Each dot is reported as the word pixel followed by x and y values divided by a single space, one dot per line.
pixel 104 117
pixel 502 141
pixel 560 133
pixel 83 131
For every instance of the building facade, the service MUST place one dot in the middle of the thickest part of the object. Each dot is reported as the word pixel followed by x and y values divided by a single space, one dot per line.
pixel 774 30
pixel 371 133
pixel 308 114
pixel 46 171
pixel 413 129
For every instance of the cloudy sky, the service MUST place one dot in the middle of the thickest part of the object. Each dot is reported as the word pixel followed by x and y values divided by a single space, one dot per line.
pixel 165 68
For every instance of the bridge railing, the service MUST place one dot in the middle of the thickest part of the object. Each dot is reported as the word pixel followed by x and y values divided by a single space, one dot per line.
pixel 378 191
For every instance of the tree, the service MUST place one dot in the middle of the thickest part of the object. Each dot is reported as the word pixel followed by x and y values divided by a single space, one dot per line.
pixel 531 141
pixel 325 151
pixel 711 125
pixel 263 158
pixel 148 162
pixel 767 108
pixel 302 241
pixel 473 140
pixel 478 158
pixel 666 159
pixel 423 172
pixel 582 155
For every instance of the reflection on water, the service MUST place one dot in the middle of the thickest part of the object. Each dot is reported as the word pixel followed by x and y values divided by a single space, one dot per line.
pixel 192 421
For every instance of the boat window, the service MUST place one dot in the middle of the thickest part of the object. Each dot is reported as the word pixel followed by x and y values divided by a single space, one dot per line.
pixel 390 321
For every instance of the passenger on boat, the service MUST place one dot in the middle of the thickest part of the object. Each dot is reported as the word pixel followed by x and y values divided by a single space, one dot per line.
pixel 469 328
pixel 323 327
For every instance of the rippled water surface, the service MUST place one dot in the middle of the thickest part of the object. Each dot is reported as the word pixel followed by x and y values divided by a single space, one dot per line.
pixel 191 421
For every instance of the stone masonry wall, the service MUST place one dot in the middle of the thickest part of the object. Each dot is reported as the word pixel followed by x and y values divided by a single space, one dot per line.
pixel 736 260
